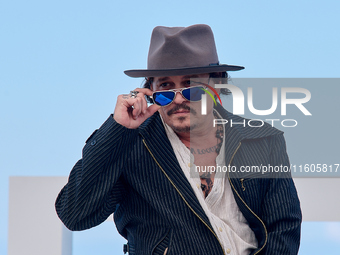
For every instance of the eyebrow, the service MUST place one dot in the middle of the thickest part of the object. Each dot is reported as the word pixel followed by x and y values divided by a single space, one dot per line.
pixel 183 78
pixel 163 79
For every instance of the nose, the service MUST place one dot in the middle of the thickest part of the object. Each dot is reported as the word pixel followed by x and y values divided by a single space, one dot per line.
pixel 179 98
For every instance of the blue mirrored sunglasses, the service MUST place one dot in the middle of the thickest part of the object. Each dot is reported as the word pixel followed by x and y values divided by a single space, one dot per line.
pixel 166 97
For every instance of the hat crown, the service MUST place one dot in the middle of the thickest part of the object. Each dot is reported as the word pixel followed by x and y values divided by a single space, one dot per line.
pixel 182 51
pixel 182 47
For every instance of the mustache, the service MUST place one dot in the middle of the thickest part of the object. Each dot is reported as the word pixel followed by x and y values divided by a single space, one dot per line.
pixel 181 107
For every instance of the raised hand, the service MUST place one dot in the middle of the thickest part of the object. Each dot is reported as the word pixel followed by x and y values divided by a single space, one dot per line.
pixel 132 109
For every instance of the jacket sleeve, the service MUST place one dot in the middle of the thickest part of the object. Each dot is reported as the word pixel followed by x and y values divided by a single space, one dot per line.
pixel 281 207
pixel 95 185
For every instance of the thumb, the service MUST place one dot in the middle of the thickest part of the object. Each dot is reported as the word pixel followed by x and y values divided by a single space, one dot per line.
pixel 151 110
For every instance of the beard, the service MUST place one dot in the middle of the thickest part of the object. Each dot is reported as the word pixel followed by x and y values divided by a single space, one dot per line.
pixel 180 128
pixel 183 129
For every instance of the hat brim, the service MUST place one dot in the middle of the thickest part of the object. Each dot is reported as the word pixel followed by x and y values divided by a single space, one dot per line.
pixel 181 71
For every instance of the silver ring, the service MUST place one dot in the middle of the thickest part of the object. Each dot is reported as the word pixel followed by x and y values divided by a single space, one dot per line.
pixel 133 93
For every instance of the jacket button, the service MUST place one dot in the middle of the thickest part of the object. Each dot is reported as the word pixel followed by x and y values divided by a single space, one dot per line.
pixel 228 251
pixel 93 142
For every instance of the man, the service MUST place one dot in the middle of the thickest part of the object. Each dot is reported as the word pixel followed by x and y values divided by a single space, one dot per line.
pixel 141 164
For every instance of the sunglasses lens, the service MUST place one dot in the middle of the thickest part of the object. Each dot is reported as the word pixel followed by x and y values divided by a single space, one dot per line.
pixel 163 97
pixel 193 93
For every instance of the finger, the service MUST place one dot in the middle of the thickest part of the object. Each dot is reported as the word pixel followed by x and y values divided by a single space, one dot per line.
pixel 137 107
pixel 124 96
pixel 144 105
pixel 144 91
pixel 130 100
pixel 151 110
pixel 143 101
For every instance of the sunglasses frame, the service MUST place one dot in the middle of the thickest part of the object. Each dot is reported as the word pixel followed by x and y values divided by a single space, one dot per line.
pixel 177 90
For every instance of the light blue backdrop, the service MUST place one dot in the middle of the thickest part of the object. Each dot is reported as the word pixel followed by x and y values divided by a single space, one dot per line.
pixel 62 63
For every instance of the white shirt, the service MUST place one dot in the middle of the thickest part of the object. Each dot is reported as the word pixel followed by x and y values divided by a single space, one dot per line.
pixel 228 222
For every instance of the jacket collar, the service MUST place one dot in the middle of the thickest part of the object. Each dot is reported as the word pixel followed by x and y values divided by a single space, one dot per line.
pixel 240 130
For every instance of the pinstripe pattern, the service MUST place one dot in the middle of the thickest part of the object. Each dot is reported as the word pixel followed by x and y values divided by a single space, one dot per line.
pixel 155 210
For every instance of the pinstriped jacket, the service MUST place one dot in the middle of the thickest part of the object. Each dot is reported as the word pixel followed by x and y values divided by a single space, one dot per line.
pixel 135 175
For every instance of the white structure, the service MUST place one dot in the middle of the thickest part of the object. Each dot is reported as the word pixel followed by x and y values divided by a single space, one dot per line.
pixel 317 198
pixel 34 228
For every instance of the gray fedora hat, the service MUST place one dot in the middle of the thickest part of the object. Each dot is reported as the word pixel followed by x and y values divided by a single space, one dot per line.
pixel 182 51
